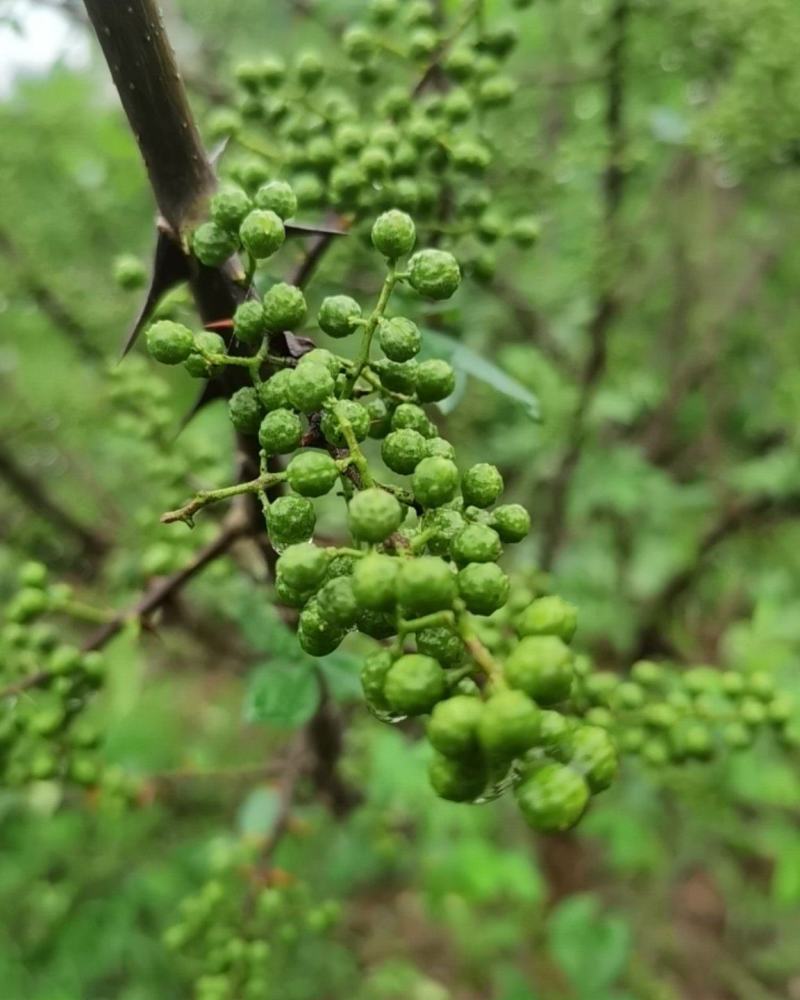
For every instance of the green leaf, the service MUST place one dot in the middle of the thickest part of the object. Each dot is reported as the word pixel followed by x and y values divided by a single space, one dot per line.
pixel 468 362
pixel 282 694
pixel 591 948
pixel 341 671
pixel 258 812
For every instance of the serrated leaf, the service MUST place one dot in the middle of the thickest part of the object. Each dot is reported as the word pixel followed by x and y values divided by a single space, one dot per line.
pixel 282 694
pixel 469 362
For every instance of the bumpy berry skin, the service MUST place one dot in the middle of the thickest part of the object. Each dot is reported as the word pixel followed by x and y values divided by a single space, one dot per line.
pixel 262 233
pixel 408 415
pixel 442 644
pixel 511 522
pixel 245 410
pixel 403 450
pixel 129 272
pixel 289 596
pixel 439 448
pixel 453 726
pixel 274 393
pixel 592 753
pixel 373 515
pixel 509 725
pixel 280 432
pixel 445 525
pixel 356 415
pixel 550 615
pixel 337 315
pixel 284 307
pixel 394 234
pixel 399 376
pixel 278 197
pixel 457 780
pixel 373 677
pixel 337 603
pixel 435 481
pixel 309 387
pixel 425 584
pixel 552 798
pixel 168 342
pixel 376 624
pixel 399 338
pixel 414 684
pixel 212 245
pixel 541 666
pixel 435 380
pixel 312 473
pixel 435 274
pixel 208 343
pixel 374 580
pixel 303 566
pixel 229 207
pixel 316 635
pixel 476 543
pixel 248 322
pixel 380 417
pixel 291 520
pixel 483 587
pixel 481 485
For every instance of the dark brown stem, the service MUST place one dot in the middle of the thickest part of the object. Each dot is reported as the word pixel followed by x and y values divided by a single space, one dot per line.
pixel 31 491
pixel 607 303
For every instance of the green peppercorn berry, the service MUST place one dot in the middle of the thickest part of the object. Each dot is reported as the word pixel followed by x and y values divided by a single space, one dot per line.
pixel 32 574
pixel 129 272
pixel 245 411
pixel 414 684
pixel 397 376
pixel 422 43
pixel 229 207
pixel 376 624
pixel 541 666
pixel 476 543
pixel 403 450
pixel 291 520
pixel 737 736
pixel 248 322
pixel 315 634
pixel 212 245
pixel 443 644
pixel 495 91
pixel 471 157
pixel 411 416
pixel 383 11
pixel 659 715
pixel 511 522
pixel 64 659
pixel 444 524
pixel 509 725
pixel 483 588
pixel 550 615
pixel 380 417
pixel 280 432
pixel 629 696
pixel 337 602
pixel 373 515
pixel 425 584
pixel 289 596
pixel 274 393
pixel 394 234
pixel 310 68
pixel 434 274
pixel 337 315
pixel 436 380
pixel 303 566
pixel 437 447
pixel 312 473
pixel 752 711
pixel 553 798
pixel 374 581
pixel 373 677
pixel 359 43
pixel 168 342
pixel 399 338
pixel 309 189
pixel 453 726
pixel 309 387
pixel 647 673
pixel 277 197
pixel 732 684
pixel 457 780
pixel 284 307
pixel 354 413
pixel 481 485
pixel 262 233
pixel 435 481
pixel 760 684
pixel 525 232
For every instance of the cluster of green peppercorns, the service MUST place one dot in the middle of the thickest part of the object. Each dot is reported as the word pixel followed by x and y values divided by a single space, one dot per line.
pixel 237 935
pixel 354 133
pixel 45 732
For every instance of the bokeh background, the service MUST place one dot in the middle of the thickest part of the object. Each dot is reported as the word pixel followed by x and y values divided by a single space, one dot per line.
pixel 664 314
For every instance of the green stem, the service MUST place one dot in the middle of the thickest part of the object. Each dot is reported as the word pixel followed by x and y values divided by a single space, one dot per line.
pixel 479 653
pixel 436 619
pixel 371 326
pixel 84 612
pixel 356 454
pixel 205 497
